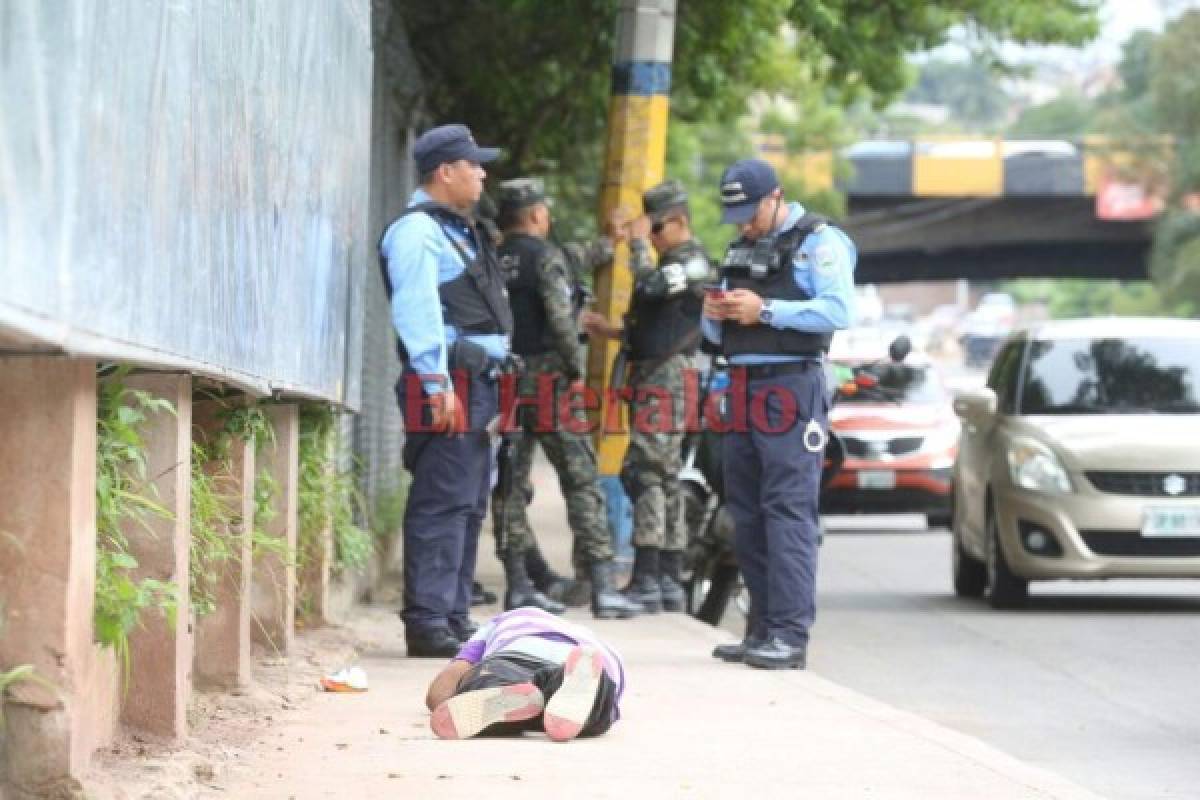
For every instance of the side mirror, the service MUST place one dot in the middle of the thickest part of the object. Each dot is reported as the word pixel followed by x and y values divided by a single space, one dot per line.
pixel 976 406
pixel 899 349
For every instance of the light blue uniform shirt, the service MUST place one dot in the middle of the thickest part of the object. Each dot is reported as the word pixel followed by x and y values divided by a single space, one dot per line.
pixel 824 268
pixel 419 259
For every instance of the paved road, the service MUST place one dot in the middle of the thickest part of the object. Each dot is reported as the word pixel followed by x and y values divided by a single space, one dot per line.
pixel 1099 682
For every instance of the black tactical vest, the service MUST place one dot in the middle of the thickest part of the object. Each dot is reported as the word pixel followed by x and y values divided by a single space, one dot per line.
pixel 520 257
pixel 475 301
pixel 779 282
pixel 657 328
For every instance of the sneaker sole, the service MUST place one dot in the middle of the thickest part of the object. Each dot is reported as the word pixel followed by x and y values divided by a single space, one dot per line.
pixel 569 707
pixel 466 714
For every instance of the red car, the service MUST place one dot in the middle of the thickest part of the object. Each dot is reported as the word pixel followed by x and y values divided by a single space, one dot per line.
pixel 900 436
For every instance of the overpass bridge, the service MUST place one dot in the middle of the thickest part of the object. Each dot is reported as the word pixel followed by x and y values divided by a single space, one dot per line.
pixel 939 209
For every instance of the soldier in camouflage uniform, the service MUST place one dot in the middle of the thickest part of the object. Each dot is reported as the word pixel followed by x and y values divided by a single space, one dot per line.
pixel 542 290
pixel 659 337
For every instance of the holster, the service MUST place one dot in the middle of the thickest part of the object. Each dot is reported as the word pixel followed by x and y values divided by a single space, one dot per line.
pixel 469 357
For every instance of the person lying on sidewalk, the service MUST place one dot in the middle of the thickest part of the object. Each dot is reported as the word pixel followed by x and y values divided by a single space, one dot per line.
pixel 527 670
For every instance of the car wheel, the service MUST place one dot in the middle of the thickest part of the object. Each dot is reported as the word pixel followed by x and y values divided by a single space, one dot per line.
pixel 1004 588
pixel 970 574
pixel 718 589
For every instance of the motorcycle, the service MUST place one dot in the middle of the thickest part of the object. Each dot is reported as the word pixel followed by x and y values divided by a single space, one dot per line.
pixel 712 578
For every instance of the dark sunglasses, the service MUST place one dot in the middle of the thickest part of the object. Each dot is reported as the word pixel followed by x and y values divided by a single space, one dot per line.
pixel 657 227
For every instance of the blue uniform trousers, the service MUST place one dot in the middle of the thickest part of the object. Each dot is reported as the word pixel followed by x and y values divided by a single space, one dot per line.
pixel 772 484
pixel 447 501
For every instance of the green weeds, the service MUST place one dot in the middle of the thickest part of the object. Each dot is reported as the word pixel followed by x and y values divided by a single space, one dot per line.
pixel 125 497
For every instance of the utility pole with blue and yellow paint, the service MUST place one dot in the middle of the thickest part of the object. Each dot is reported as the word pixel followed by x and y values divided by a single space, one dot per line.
pixel 635 156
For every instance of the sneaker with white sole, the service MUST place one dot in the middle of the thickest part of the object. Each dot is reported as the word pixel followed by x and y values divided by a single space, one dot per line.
pixel 569 708
pixel 466 714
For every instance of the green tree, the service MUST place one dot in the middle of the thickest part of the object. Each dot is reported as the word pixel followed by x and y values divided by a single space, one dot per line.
pixel 1159 94
pixel 1175 95
pixel 697 153
pixel 1065 117
pixel 534 75
pixel 970 90
pixel 1136 66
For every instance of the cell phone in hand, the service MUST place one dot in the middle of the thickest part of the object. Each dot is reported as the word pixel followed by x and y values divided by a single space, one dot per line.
pixel 714 290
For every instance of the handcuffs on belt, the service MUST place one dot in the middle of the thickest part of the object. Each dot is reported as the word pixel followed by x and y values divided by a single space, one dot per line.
pixel 815 436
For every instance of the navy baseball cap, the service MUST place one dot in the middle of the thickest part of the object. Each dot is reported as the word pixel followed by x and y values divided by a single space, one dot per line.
pixel 447 143
pixel 743 185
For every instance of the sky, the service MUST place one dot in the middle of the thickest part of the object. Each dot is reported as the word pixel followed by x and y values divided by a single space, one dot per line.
pixel 1118 19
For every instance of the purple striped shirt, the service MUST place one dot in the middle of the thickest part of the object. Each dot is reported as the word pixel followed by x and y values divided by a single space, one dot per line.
pixel 504 629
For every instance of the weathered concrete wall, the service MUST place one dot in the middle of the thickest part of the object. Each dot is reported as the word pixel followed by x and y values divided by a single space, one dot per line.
pixel 223 636
pixel 48 572
pixel 160 668
pixel 273 611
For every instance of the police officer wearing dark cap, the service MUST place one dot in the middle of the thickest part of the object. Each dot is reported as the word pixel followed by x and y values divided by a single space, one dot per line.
pixel 660 335
pixel 453 323
pixel 787 285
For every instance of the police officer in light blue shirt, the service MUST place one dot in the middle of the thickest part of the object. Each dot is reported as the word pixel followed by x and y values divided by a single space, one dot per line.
pixel 787 283
pixel 453 323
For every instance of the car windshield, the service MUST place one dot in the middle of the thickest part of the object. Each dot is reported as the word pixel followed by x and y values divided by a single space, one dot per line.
pixel 900 383
pixel 1112 376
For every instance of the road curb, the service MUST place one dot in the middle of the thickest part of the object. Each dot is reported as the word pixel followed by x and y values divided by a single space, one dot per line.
pixel 1034 778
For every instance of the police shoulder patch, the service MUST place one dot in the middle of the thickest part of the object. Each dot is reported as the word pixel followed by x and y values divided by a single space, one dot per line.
pixel 697 268
pixel 825 257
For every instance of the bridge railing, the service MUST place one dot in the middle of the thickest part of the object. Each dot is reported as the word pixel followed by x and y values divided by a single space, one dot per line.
pixel 952 166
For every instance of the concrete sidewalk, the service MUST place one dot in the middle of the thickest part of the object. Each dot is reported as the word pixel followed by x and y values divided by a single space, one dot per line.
pixel 691 727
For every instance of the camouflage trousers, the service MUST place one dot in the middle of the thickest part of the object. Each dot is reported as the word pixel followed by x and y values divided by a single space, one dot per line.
pixel 574 459
pixel 650 472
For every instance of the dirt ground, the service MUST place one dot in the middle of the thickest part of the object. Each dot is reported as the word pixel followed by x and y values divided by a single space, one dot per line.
pixel 226 725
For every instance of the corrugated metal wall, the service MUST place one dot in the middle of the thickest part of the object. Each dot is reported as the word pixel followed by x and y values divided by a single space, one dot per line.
pixel 184 184
pixel 376 431
pixel 200 185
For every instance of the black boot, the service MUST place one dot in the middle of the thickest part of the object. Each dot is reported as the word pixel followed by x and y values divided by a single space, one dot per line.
pixel 549 582
pixel 670 580
pixel 580 591
pixel 643 587
pixel 434 643
pixel 481 596
pixel 521 591
pixel 607 602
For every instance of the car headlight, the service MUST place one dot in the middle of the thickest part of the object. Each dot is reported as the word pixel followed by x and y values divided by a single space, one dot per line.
pixel 1034 466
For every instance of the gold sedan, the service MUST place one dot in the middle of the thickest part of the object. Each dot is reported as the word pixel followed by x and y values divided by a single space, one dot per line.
pixel 1080 458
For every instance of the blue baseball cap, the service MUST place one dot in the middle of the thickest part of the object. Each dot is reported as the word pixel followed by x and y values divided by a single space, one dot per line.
pixel 447 143
pixel 743 185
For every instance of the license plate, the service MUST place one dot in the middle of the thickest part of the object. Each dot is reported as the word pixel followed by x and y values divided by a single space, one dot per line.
pixel 1163 521
pixel 876 479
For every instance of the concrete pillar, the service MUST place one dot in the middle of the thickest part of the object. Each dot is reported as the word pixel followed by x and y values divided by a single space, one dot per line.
pixel 222 659
pixel 313 596
pixel 160 668
pixel 274 579
pixel 48 575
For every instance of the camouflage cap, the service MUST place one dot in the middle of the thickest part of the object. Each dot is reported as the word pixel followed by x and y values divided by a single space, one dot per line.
pixel 518 193
pixel 663 198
